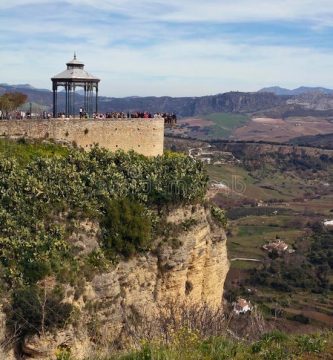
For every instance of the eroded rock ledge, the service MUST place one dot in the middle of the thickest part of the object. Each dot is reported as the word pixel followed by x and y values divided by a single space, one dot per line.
pixel 192 272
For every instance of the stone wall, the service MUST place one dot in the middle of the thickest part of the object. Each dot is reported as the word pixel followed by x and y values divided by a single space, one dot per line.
pixel 145 136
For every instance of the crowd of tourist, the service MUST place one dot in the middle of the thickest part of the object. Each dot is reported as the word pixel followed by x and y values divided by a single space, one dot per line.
pixel 169 118
pixel 22 115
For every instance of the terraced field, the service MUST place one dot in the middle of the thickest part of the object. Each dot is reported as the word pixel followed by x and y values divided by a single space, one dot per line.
pixel 288 203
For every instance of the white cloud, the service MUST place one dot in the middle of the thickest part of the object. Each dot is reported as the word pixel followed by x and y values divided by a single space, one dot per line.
pixel 181 68
pixel 172 62
pixel 225 11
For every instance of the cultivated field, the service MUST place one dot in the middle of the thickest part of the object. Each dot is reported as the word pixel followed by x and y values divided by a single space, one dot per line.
pixel 243 127
pixel 279 130
pixel 275 205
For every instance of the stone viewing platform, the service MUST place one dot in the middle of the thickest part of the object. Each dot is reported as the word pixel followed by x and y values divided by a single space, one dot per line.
pixel 142 132
pixel 145 136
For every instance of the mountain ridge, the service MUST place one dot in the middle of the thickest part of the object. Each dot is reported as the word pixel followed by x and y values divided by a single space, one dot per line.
pixel 182 106
pixel 280 91
pixel 265 102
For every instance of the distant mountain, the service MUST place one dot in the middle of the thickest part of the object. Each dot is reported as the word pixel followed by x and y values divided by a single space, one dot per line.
pixel 182 106
pixel 299 91
pixel 21 86
pixel 276 90
pixel 263 103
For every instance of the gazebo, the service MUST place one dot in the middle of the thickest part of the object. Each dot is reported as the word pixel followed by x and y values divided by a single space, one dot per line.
pixel 71 78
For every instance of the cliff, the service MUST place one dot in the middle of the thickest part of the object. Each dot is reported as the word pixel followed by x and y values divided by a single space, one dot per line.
pixel 189 271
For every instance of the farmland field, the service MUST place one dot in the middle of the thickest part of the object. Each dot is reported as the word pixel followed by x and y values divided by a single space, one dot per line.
pixel 211 126
pixel 245 127
pixel 274 205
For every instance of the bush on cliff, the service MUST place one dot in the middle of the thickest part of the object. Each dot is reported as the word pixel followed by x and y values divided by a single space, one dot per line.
pixel 127 227
pixel 80 184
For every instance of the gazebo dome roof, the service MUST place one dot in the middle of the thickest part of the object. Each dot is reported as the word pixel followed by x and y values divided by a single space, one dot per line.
pixel 75 72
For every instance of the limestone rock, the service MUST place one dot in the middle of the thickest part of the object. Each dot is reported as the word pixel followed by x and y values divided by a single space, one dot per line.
pixel 193 272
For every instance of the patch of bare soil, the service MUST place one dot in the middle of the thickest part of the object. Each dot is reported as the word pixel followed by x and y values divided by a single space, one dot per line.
pixel 293 327
pixel 279 130
pixel 196 122
pixel 313 315
pixel 269 121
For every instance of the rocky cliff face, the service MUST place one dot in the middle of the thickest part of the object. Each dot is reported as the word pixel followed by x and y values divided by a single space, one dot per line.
pixel 190 270
pixel 313 101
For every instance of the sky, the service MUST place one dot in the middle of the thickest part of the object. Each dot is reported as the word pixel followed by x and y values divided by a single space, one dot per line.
pixel 169 47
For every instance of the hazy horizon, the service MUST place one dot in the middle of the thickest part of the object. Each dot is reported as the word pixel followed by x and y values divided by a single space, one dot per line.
pixel 165 95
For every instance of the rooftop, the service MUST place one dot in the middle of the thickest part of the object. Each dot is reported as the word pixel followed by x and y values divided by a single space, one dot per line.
pixel 279 246
pixel 75 72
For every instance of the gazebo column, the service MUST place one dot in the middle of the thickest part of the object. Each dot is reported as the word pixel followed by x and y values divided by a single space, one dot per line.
pixel 85 97
pixel 67 90
pixel 96 107
pixel 66 99
pixel 69 99
pixel 73 107
pixel 89 100
pixel 55 99
pixel 56 102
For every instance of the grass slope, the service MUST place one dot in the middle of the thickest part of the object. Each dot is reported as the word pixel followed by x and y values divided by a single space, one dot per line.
pixel 24 152
pixel 225 123
pixel 187 345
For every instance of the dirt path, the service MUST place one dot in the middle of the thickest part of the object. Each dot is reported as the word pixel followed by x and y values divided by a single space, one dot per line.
pixel 246 259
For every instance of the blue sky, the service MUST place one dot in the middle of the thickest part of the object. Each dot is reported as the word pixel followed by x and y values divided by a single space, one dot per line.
pixel 174 47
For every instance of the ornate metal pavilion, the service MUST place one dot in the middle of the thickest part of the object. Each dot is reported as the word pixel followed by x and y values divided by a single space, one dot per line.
pixel 71 78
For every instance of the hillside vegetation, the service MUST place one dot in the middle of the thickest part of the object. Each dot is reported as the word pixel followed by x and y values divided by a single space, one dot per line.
pixel 324 141
pixel 47 189
pixel 187 345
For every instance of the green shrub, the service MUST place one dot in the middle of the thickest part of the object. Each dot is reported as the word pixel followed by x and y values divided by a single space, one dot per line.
pixel 308 343
pixel 188 224
pixel 219 215
pixel 275 336
pixel 126 226
pixel 63 354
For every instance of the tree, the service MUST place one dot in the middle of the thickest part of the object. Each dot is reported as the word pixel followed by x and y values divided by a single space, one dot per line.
pixel 11 101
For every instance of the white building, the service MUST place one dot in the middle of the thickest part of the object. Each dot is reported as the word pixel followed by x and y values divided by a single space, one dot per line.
pixel 242 306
